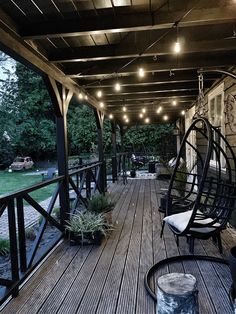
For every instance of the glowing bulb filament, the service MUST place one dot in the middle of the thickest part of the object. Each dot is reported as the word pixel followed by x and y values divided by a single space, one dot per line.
pixel 99 93
pixel 117 87
pixel 141 72
pixel 177 47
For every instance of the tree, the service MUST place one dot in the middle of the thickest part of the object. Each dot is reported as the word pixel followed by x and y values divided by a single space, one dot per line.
pixel 151 138
pixel 35 119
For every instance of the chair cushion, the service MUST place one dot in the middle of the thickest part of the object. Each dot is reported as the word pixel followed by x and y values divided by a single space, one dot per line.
pixel 181 220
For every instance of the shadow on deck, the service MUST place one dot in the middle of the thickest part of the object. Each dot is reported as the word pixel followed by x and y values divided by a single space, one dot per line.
pixel 110 278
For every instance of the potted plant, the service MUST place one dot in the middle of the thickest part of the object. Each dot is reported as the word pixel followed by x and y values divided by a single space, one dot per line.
pixel 101 205
pixel 87 228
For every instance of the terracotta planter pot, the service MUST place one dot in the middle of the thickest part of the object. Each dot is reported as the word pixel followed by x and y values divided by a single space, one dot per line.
pixel 232 265
pixel 87 239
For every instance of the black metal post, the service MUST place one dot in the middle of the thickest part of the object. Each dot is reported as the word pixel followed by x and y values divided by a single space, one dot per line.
pixel 21 232
pixel 60 99
pixel 62 153
pixel 114 151
pixel 102 177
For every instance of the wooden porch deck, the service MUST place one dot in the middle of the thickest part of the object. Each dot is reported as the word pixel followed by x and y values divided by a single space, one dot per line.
pixel 110 278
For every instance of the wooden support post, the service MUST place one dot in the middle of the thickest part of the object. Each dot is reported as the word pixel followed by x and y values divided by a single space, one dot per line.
pixel 114 157
pixel 99 122
pixel 177 293
pixel 61 98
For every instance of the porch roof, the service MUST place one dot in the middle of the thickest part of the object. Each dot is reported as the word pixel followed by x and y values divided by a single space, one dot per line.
pixel 90 45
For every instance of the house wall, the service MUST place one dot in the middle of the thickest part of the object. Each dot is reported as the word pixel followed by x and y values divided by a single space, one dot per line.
pixel 228 116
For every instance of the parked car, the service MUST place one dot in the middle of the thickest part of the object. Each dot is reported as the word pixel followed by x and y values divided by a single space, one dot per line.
pixel 22 163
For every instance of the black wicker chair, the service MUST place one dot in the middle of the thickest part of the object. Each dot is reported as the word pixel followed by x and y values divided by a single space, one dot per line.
pixel 202 207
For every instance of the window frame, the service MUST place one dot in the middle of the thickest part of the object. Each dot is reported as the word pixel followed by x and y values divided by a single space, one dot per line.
pixel 219 90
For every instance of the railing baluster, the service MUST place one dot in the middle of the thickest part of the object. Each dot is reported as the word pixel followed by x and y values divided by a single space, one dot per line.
pixel 88 184
pixel 13 245
pixel 21 233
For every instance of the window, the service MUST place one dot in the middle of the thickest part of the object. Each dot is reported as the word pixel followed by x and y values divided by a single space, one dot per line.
pixel 217 118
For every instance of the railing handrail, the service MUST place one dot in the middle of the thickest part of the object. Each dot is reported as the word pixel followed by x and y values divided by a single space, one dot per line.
pixel 98 163
pixel 30 189
pixel 83 164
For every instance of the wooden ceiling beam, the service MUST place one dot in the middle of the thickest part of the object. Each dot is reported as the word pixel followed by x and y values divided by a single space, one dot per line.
pixel 109 69
pixel 151 80
pixel 149 98
pixel 151 95
pixel 113 52
pixel 129 22
pixel 137 89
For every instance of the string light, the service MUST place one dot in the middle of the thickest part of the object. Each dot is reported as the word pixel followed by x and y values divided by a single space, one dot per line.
pixel 86 97
pixel 125 116
pixel 117 86
pixel 183 112
pixel 111 116
pixel 159 110
pixel 147 120
pixel 99 93
pixel 141 72
pixel 124 109
pixel 81 96
pixel 101 104
pixel 140 115
pixel 127 120
pixel 174 102
pixel 144 110
pixel 165 118
pixel 177 47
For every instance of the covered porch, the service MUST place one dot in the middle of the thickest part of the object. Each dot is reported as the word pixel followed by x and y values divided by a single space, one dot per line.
pixel 110 278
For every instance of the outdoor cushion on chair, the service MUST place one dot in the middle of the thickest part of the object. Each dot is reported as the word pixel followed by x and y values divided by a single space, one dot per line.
pixel 181 220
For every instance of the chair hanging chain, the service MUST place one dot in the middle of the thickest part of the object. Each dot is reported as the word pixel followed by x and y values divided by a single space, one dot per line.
pixel 201 109
pixel 200 84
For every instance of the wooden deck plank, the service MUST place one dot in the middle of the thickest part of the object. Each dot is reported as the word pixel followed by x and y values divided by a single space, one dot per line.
pixel 73 299
pixel 128 291
pixel 109 279
pixel 205 303
pixel 94 290
pixel 110 294
pixel 47 275
pixel 144 303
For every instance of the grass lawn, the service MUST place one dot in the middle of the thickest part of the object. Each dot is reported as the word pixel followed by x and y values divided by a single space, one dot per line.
pixel 13 181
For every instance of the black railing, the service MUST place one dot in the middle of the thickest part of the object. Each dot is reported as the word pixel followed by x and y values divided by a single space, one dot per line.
pixel 84 182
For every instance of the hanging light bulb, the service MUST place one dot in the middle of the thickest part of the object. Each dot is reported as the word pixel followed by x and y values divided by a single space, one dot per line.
pixel 99 93
pixel 144 110
pixel 111 116
pixel 165 117
pixel 101 104
pixel 147 120
pixel 159 110
pixel 125 116
pixel 81 96
pixel 141 72
pixel 124 108
pixel 127 120
pixel 174 102
pixel 140 115
pixel 177 47
pixel 117 86
pixel 86 97
pixel 183 112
